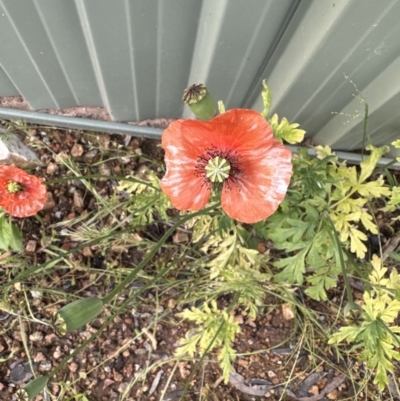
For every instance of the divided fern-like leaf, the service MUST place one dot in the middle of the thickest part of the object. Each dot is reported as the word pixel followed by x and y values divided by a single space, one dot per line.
pixel 217 330
pixel 377 334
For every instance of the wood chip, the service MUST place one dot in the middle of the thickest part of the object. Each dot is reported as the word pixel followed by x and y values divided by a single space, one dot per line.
pixel 156 381
pixel 180 237
pixel 333 385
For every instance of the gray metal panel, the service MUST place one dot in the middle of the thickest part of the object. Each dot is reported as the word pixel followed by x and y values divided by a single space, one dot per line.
pixel 234 39
pixel 27 57
pixel 6 86
pixel 135 57
pixel 141 52
pixel 66 44
pixel 44 54
pixel 324 43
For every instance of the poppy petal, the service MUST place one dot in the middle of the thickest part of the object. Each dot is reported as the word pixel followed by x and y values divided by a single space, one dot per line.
pixel 262 187
pixel 180 183
pixel 242 130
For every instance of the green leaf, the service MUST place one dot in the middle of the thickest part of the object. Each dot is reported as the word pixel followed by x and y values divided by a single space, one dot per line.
pixel 320 283
pixel 396 143
pixel 10 235
pixel 348 333
pixel 372 189
pixel 293 267
pixel 356 244
pixel 391 312
pixel 394 200
pixel 369 164
pixel 286 131
pixel 267 99
pixel 224 224
pixel 16 238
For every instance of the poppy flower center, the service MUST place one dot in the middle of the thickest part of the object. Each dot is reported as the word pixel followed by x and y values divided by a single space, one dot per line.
pixel 217 169
pixel 14 187
pixel 218 166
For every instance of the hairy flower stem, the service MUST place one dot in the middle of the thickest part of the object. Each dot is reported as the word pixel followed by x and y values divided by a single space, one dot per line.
pixel 150 255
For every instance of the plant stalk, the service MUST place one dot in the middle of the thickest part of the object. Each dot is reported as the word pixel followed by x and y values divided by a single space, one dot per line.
pixel 150 255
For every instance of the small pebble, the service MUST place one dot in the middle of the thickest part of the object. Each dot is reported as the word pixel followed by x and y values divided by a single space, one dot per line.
pixel 36 336
pixel 31 246
pixel 45 366
pixel 77 150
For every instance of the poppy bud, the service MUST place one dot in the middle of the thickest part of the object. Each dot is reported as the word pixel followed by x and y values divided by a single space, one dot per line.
pixel 76 314
pixel 200 102
pixel 33 388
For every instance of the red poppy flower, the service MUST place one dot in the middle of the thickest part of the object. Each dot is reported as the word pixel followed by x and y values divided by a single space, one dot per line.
pixel 236 149
pixel 21 194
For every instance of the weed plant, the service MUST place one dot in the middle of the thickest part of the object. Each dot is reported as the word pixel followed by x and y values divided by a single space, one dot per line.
pixel 320 244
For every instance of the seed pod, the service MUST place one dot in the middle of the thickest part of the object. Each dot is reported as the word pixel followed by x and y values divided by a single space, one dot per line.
pixel 33 388
pixel 200 102
pixel 76 314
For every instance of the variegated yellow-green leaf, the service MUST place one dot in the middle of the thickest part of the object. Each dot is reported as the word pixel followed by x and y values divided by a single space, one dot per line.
pixel 221 107
pixel 216 329
pixel 286 131
pixel 323 152
pixel 266 97
pixel 367 221
pixel 394 200
pixel 373 189
pixel 368 165
pixel 396 143
pixel 391 311
pixel 356 244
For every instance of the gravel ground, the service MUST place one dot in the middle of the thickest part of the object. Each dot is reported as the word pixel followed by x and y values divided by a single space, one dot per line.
pixel 133 358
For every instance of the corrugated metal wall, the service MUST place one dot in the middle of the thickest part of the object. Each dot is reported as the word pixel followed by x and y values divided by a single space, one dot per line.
pixel 135 57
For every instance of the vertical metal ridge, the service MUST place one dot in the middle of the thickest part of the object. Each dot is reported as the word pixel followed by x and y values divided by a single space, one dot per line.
pixel 56 51
pixel 131 53
pixel 209 26
pixel 7 87
pixel 377 94
pixel 87 32
pixel 301 29
pixel 159 28
pixel 135 57
pixel 336 70
pixel 32 60
pixel 253 91
pixel 250 48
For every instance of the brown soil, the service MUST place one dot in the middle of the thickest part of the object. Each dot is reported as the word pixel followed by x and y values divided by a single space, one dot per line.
pixel 270 349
